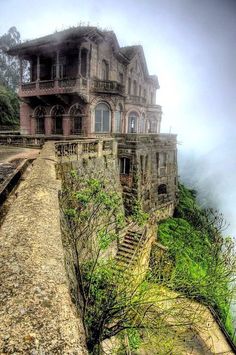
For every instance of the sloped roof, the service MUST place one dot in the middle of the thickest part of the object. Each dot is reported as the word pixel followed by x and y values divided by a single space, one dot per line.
pixel 57 37
pixel 125 54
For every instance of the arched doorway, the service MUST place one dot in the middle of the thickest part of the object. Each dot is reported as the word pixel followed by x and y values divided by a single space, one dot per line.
pixel 57 119
pixel 40 113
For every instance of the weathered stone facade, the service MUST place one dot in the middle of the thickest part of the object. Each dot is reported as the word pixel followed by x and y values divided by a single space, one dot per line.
pixel 82 83
pixel 73 71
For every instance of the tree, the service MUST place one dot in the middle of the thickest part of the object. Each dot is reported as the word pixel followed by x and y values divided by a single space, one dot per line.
pixel 9 66
pixel 9 107
pixel 113 301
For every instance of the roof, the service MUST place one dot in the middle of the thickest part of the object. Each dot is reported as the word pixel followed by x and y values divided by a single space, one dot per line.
pixel 57 37
pixel 125 54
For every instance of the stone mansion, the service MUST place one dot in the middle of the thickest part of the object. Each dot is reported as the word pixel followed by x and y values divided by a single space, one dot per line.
pixel 81 83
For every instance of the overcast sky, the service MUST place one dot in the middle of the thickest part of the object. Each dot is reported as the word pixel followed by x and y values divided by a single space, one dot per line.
pixel 191 46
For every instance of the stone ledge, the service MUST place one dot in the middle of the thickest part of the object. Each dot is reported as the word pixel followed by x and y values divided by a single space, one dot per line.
pixel 36 315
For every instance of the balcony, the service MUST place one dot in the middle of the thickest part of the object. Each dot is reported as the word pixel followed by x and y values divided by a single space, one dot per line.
pixel 136 100
pixel 52 87
pixel 108 86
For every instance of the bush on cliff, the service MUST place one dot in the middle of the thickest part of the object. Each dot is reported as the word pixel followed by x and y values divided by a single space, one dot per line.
pixel 200 262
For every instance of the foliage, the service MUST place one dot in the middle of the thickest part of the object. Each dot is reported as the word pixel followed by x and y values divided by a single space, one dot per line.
pixel 200 262
pixel 9 66
pixel 9 107
pixel 112 301
pixel 138 215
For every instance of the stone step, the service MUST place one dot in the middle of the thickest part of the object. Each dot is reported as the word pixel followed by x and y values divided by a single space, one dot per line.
pixel 128 245
pixel 126 250
pixel 131 239
pixel 138 235
pixel 126 257
pixel 133 236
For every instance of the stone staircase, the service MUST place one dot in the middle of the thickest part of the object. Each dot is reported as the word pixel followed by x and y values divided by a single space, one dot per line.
pixel 130 248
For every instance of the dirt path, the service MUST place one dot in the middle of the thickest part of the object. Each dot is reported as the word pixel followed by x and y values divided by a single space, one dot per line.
pixel 9 154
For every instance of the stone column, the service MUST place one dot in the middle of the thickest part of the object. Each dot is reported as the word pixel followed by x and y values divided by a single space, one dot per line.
pixel 112 129
pixel 21 72
pixel 38 72
pixel 25 120
pixel 79 62
pixel 48 125
pixel 57 68
pixel 87 63
pixel 32 125
pixel 57 65
pixel 66 125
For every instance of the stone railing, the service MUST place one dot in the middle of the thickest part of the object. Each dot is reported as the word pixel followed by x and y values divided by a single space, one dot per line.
pixel 108 86
pixel 87 148
pixel 23 141
pixel 138 100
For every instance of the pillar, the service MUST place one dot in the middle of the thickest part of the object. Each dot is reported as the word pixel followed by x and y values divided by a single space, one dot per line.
pixel 48 125
pixel 57 65
pixel 32 125
pixel 79 62
pixel 38 68
pixel 66 125
pixel 21 72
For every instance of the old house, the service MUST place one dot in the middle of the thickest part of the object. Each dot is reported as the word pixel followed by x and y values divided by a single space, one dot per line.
pixel 81 83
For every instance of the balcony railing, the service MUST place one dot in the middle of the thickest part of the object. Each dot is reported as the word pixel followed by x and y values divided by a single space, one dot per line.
pixel 45 87
pixel 138 100
pixel 108 86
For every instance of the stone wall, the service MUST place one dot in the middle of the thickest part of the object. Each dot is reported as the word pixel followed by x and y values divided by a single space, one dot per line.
pixel 37 315
pixel 151 176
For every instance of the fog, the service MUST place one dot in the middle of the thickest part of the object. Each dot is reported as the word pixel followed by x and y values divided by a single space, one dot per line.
pixel 191 46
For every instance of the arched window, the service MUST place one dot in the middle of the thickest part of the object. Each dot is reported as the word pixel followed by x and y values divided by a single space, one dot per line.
pixel 162 189
pixel 77 120
pixel 40 113
pixel 102 118
pixel 118 120
pixel 133 122
pixel 105 70
pixel 57 118
pixel 142 124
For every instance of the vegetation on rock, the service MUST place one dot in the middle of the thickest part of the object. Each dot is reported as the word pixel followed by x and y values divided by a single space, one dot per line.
pixel 200 262
pixel 121 311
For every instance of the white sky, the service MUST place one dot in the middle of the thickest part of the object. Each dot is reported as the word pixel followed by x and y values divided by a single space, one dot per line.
pixel 191 46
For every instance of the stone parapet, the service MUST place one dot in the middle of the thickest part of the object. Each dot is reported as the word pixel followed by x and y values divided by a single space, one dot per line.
pixel 37 315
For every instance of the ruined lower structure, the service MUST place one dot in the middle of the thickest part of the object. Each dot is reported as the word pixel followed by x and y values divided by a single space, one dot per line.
pixel 81 83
